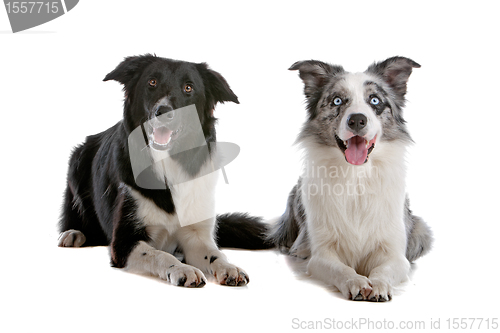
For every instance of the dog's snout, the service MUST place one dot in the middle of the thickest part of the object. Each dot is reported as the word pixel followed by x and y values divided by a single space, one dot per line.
pixel 165 109
pixel 357 122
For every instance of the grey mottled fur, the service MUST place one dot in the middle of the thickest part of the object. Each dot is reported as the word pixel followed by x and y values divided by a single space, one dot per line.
pixel 289 233
pixel 322 82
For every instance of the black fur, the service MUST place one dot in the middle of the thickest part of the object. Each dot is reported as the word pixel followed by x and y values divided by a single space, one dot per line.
pixel 241 231
pixel 95 201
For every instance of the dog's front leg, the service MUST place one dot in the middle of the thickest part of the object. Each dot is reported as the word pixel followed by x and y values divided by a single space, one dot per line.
pixel 393 270
pixel 146 259
pixel 201 251
pixel 327 267
pixel 130 249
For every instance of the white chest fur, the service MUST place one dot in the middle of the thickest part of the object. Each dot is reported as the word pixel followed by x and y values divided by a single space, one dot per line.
pixel 193 199
pixel 355 210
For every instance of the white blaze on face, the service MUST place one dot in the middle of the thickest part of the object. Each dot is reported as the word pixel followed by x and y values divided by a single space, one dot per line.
pixel 161 134
pixel 358 146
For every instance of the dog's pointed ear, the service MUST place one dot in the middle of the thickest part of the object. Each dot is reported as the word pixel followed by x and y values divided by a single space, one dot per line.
pixel 395 72
pixel 216 86
pixel 315 74
pixel 127 72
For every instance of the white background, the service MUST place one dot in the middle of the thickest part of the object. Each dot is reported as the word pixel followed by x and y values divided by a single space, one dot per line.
pixel 52 96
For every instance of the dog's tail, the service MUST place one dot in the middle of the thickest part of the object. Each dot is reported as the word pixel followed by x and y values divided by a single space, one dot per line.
pixel 239 230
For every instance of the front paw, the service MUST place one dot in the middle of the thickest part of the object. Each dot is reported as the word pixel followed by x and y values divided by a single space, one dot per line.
pixel 357 288
pixel 185 276
pixel 381 291
pixel 230 275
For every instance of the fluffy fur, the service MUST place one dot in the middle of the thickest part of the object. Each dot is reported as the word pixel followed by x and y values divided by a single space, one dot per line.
pixel 104 205
pixel 348 214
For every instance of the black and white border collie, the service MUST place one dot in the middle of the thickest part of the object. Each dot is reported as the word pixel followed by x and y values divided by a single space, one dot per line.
pixel 104 205
pixel 348 214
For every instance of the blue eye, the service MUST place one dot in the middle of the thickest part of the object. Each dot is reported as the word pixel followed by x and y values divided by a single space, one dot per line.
pixel 375 101
pixel 337 101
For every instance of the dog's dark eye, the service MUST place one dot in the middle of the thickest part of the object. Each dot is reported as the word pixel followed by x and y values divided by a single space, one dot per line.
pixel 188 88
pixel 153 82
pixel 337 101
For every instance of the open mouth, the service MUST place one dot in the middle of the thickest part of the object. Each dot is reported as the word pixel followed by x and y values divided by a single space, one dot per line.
pixel 356 149
pixel 162 137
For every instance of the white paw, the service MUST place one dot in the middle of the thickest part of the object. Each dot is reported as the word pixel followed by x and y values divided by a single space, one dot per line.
pixel 357 288
pixel 303 251
pixel 71 238
pixel 381 291
pixel 185 276
pixel 229 275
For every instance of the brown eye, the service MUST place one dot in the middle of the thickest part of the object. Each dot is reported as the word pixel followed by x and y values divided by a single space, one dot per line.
pixel 188 88
pixel 153 82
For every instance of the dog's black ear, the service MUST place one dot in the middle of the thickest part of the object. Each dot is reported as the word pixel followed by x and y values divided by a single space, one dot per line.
pixel 395 72
pixel 315 74
pixel 127 72
pixel 216 86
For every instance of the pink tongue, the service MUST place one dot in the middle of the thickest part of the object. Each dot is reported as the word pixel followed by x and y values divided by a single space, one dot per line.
pixel 162 135
pixel 356 151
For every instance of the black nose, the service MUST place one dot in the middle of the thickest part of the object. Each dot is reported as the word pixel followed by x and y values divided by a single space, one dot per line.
pixel 357 121
pixel 164 109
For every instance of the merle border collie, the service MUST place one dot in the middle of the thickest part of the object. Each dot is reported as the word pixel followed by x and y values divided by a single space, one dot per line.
pixel 349 214
pixel 104 204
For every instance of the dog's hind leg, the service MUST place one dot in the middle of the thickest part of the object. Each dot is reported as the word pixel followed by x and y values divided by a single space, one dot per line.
pixel 291 225
pixel 78 225
pixel 72 238
pixel 301 248
pixel 70 223
pixel 419 235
